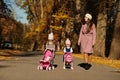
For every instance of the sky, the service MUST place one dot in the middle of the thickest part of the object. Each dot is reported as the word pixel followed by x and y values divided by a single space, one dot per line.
pixel 19 13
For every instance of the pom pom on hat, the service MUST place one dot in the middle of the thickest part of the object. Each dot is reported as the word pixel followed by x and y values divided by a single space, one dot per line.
pixel 88 16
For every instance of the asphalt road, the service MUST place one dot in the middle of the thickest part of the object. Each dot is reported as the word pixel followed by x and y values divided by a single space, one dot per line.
pixel 25 68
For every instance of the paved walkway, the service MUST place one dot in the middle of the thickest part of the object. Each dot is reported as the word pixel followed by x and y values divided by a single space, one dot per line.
pixel 25 68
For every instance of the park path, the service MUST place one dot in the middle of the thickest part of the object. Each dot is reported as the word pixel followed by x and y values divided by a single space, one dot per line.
pixel 25 68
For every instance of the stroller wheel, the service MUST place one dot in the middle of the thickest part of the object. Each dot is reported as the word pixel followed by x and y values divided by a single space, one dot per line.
pixel 38 67
pixel 41 68
pixel 53 67
pixel 49 68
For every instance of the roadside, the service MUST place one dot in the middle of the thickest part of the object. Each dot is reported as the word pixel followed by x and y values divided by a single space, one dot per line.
pixel 6 53
pixel 100 60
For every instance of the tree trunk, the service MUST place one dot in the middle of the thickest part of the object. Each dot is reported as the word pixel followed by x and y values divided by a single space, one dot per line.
pixel 99 48
pixel 41 2
pixel 115 45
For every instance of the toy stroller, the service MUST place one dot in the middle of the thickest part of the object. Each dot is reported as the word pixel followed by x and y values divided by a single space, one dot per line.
pixel 47 60
pixel 68 60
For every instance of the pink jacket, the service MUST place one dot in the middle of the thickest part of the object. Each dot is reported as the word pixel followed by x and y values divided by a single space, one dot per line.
pixel 87 40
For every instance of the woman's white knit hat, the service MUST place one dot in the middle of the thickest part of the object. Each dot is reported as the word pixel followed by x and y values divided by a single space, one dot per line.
pixel 88 16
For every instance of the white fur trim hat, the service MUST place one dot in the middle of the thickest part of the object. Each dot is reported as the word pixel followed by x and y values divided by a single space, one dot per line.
pixel 88 16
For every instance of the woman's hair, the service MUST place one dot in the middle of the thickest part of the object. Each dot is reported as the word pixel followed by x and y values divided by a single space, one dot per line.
pixel 89 25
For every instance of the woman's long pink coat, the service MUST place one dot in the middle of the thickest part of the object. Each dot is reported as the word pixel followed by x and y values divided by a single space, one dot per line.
pixel 87 40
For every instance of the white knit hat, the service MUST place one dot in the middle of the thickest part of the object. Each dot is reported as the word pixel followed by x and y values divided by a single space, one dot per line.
pixel 50 36
pixel 88 16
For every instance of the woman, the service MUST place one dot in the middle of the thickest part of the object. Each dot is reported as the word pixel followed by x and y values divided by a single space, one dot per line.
pixel 87 39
